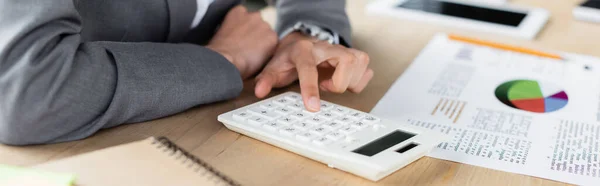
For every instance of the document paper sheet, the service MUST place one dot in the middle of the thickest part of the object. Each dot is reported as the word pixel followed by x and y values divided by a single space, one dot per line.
pixel 504 110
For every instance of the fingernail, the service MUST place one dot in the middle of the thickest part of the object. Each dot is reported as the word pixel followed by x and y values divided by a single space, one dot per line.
pixel 314 103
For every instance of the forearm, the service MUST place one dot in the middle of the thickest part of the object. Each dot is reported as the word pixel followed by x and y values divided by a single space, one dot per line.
pixel 54 88
pixel 108 84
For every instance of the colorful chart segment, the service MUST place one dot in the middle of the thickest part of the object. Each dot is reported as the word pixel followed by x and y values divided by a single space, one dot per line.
pixel 532 96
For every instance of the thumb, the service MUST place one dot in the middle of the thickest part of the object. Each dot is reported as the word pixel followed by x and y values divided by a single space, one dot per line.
pixel 264 83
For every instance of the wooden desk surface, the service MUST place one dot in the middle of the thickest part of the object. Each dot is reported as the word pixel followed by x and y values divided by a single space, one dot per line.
pixel 392 45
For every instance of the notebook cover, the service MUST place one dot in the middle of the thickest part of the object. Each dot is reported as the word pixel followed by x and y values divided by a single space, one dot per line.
pixel 150 162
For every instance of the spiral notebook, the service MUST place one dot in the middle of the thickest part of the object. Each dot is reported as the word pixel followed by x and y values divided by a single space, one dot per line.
pixel 154 161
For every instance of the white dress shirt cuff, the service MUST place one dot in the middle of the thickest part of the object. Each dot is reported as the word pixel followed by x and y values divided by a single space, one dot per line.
pixel 316 31
pixel 201 7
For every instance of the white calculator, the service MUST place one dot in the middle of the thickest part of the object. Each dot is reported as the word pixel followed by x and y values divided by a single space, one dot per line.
pixel 340 137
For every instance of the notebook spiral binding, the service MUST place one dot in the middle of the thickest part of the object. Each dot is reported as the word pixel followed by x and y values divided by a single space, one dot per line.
pixel 164 142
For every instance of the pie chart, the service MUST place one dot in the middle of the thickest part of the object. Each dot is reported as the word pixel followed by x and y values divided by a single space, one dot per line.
pixel 533 96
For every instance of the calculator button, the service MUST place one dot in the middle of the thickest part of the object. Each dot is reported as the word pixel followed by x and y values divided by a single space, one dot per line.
pixel 359 125
pixel 344 120
pixel 378 126
pixel 309 112
pixel 356 115
pixel 283 111
pixel 339 111
pixel 294 97
pixel 316 120
pixel 299 115
pixel 371 119
pixel 305 136
pixel 241 116
pixel 347 130
pixel 282 102
pixel 272 126
pixel 296 106
pixel 255 120
pixel 335 136
pixel 286 120
pixel 263 113
pixel 332 125
pixel 322 141
pixel 268 106
pixel 319 131
pixel 327 115
pixel 349 139
pixel 257 110
pixel 326 106
pixel 289 131
pixel 303 126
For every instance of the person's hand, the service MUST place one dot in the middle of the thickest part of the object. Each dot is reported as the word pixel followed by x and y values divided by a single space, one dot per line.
pixel 245 39
pixel 298 57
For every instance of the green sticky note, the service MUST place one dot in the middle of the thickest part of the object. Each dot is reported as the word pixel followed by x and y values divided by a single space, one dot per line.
pixel 12 175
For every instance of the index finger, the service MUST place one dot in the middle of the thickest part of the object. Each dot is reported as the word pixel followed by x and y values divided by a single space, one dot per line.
pixel 308 75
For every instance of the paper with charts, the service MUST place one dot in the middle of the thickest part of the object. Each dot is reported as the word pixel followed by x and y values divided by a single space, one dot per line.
pixel 505 110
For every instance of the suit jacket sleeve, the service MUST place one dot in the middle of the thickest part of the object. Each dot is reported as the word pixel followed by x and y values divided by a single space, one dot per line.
pixel 55 87
pixel 330 14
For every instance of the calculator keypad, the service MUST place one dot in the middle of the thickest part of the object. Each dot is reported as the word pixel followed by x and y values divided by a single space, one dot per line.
pixel 286 120
pixel 282 102
pixel 287 116
pixel 347 130
pixel 283 111
pixel 298 106
pixel 255 120
pixel 356 115
pixel 316 120
pixel 264 113
pixel 340 111
pixel 305 136
pixel 371 119
pixel 268 106
pixel 344 120
pixel 359 125
pixel 272 126
pixel 304 126
pixel 294 97
pixel 335 136
pixel 299 115
pixel 289 131
pixel 319 130
pixel 327 115
pixel 322 141
pixel 241 116
pixel 332 125
pixel 326 106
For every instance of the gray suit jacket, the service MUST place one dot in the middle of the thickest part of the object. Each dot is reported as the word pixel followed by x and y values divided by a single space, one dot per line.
pixel 69 68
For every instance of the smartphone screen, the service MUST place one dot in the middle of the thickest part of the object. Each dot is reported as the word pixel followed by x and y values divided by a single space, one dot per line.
pixel 489 15
pixel 592 4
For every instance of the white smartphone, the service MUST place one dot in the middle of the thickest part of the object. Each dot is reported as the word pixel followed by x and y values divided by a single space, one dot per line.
pixel 588 11
pixel 501 19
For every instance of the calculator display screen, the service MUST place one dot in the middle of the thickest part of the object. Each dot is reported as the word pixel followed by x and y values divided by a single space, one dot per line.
pixel 592 4
pixel 383 143
pixel 466 11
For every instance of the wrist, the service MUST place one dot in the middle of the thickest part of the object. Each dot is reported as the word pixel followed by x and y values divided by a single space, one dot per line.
pixel 313 31
pixel 295 36
pixel 229 58
pixel 225 54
